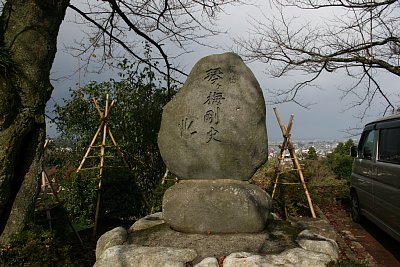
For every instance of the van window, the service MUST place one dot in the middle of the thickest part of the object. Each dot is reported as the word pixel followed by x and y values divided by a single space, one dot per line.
pixel 367 145
pixel 389 145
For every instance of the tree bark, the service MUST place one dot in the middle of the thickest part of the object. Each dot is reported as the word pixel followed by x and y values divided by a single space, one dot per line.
pixel 28 31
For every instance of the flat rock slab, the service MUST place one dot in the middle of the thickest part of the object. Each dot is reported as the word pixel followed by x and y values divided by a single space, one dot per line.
pixel 215 128
pixel 134 256
pixel 295 257
pixel 276 246
pixel 277 238
pixel 147 222
pixel 317 226
pixel 216 206
pixel 116 236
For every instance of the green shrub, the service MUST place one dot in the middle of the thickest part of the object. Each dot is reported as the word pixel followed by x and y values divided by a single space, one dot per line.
pixel 134 121
pixel 340 161
pixel 290 196
pixel 317 171
pixel 35 246
pixel 121 197
pixel 79 196
pixel 348 263
pixel 265 175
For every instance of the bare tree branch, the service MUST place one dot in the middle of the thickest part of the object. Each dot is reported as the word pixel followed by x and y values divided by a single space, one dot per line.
pixel 317 4
pixel 125 46
pixel 120 27
pixel 361 35
pixel 116 8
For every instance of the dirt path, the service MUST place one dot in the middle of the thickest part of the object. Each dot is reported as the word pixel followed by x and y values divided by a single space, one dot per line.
pixel 374 245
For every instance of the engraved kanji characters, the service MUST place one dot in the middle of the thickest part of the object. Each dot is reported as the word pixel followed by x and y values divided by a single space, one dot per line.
pixel 211 134
pixel 212 116
pixel 185 127
pixel 214 98
pixel 213 101
pixel 213 75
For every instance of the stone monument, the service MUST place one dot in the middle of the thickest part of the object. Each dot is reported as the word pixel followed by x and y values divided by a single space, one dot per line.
pixel 213 138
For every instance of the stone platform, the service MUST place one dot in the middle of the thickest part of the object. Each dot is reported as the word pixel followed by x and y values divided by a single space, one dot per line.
pixel 151 242
pixel 216 206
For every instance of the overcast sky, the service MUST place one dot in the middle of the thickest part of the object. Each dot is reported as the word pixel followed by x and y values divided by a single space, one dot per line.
pixel 326 119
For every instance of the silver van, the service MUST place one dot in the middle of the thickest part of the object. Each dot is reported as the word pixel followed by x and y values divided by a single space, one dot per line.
pixel 375 179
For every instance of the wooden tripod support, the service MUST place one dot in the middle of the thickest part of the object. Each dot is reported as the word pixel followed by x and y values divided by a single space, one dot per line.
pixel 103 130
pixel 287 144
pixel 47 183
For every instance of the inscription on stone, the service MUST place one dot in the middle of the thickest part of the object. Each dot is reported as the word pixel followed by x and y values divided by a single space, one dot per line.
pixel 214 128
pixel 185 127
pixel 213 75
pixel 213 101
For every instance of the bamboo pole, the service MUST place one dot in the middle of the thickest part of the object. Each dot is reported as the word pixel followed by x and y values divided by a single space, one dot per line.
pixel 297 165
pixel 165 176
pixel 287 141
pixel 102 153
pixel 103 118
pixel 98 108
pixel 144 200
pixel 44 189
pixel 46 181
pixel 278 171
pixel 104 130
pixel 105 114
pixel 286 133
pixel 55 194
pixel 121 155
pixel 91 145
pixel 45 199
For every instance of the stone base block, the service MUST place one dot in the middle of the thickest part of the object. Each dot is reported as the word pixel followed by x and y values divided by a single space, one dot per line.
pixel 216 206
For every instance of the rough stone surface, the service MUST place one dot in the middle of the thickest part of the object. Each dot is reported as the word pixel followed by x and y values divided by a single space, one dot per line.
pixel 207 262
pixel 296 257
pixel 316 225
pixel 216 206
pixel 214 128
pixel 134 256
pixel 245 259
pixel 300 257
pixel 114 237
pixel 315 242
pixel 274 239
pixel 275 246
pixel 147 222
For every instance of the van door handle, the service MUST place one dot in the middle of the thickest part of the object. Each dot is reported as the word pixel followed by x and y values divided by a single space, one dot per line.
pixel 364 181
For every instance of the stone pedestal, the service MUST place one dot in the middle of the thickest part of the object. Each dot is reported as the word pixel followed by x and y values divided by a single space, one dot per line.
pixel 216 206
pixel 151 242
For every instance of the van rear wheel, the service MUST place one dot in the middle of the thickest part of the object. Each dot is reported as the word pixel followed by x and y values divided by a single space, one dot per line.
pixel 355 208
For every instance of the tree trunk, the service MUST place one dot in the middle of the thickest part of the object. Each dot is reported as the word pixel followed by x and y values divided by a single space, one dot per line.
pixel 29 30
